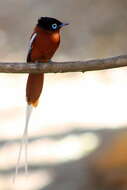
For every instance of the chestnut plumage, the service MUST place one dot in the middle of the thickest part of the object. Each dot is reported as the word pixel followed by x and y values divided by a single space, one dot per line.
pixel 43 44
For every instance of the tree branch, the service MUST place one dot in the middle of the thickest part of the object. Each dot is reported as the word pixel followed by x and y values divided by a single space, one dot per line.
pixel 61 67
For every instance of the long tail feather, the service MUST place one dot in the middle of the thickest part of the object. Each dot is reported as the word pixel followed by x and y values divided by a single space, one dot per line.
pixel 25 142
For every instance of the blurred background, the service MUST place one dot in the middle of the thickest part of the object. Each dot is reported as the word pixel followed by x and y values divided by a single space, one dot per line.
pixel 77 134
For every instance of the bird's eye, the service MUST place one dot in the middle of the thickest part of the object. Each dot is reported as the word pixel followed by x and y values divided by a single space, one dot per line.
pixel 54 26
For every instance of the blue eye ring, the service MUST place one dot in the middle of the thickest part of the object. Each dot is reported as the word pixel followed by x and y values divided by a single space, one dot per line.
pixel 54 26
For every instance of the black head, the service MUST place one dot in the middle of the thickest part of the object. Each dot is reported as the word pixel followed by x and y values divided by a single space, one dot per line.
pixel 50 24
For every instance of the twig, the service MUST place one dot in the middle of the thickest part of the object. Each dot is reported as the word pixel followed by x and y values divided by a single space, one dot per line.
pixel 61 67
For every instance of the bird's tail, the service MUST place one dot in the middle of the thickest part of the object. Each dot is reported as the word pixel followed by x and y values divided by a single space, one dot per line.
pixel 24 141
pixel 33 90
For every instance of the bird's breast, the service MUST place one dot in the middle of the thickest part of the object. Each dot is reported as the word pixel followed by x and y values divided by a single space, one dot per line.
pixel 55 37
pixel 49 44
pixel 45 45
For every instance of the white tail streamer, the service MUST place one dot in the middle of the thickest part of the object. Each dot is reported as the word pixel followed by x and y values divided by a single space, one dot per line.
pixel 24 141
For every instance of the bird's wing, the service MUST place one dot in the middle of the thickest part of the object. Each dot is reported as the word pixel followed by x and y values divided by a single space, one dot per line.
pixel 32 39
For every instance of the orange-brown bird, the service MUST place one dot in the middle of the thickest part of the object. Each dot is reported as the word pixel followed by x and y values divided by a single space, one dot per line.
pixel 42 45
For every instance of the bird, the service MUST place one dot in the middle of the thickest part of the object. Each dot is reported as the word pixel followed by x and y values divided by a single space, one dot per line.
pixel 43 44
